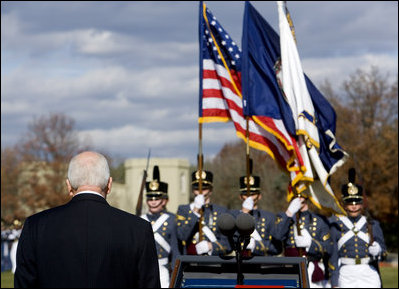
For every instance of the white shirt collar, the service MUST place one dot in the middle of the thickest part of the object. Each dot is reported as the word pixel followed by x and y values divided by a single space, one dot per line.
pixel 89 192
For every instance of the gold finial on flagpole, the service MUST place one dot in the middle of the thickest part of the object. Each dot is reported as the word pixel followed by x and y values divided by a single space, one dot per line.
pixel 287 13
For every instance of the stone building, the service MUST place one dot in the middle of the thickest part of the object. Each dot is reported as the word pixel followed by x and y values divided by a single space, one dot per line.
pixel 175 172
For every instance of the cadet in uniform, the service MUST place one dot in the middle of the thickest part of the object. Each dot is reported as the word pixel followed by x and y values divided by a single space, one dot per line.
pixel 188 218
pixel 261 242
pixel 16 233
pixel 358 242
pixel 5 248
pixel 163 225
pixel 312 240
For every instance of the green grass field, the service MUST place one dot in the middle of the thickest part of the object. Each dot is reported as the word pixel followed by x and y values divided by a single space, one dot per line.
pixel 389 278
pixel 7 279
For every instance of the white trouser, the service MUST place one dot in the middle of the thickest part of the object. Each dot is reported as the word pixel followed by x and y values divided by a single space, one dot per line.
pixel 13 255
pixel 358 276
pixel 163 272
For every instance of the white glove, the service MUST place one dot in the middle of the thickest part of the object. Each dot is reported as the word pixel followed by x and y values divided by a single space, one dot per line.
pixel 251 245
pixel 303 241
pixel 199 201
pixel 375 249
pixel 294 207
pixel 248 204
pixel 202 247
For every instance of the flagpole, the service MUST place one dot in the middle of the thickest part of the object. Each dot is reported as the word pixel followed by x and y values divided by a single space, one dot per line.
pixel 200 158
pixel 200 165
pixel 247 157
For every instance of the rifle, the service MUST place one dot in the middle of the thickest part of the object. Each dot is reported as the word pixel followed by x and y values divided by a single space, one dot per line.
pixel 140 198
pixel 370 222
pixel 374 260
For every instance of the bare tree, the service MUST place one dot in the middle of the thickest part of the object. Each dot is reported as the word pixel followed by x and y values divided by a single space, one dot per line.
pixel 50 138
pixel 10 170
pixel 367 125
pixel 41 158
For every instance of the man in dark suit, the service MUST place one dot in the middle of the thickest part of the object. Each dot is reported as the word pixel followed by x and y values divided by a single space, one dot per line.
pixel 86 242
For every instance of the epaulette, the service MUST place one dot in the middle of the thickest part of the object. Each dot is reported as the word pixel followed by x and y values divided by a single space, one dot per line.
pixel 331 266
pixel 180 218
pixel 326 237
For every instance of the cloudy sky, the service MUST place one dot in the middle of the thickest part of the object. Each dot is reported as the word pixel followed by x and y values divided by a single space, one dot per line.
pixel 127 72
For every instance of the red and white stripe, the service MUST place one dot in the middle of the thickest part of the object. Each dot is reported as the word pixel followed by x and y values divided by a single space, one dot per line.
pixel 222 101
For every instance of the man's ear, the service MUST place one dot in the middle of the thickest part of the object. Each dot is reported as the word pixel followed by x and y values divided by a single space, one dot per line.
pixel 109 185
pixel 69 187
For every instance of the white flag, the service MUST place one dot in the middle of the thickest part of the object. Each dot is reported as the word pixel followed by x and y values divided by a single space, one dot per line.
pixel 300 101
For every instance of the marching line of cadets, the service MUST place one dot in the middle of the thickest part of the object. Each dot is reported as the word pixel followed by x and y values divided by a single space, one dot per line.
pixel 341 251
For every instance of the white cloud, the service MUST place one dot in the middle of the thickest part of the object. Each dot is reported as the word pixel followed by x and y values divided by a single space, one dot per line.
pixel 134 140
pixel 93 41
pixel 338 69
pixel 10 27
pixel 14 107
pixel 110 82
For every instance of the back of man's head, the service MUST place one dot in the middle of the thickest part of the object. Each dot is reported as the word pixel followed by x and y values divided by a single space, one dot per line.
pixel 88 169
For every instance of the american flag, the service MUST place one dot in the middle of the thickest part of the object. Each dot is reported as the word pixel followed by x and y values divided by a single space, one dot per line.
pixel 220 69
pixel 221 97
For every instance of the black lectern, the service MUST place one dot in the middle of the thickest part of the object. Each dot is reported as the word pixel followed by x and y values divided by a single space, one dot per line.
pixel 214 272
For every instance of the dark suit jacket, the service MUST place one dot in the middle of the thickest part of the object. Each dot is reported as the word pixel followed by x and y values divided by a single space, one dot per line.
pixel 86 243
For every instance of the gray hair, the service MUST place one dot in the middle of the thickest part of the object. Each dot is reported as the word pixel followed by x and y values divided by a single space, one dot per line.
pixel 88 168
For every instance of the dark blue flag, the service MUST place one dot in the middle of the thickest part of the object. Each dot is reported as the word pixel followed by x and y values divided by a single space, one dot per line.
pixel 262 95
pixel 330 152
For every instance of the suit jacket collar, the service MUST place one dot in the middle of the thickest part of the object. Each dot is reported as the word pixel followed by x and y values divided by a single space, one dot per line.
pixel 90 197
